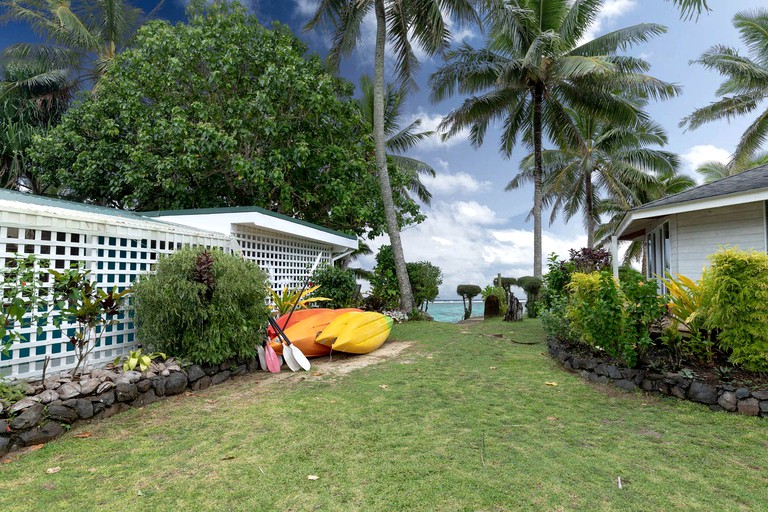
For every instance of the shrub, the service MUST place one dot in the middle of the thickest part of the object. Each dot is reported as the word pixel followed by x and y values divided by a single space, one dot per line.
pixel 202 306
pixel 337 284
pixel 643 307
pixel 532 287
pixel 555 322
pixel 425 279
pixel 588 260
pixel 597 314
pixel 384 288
pixel 735 301
pixel 555 281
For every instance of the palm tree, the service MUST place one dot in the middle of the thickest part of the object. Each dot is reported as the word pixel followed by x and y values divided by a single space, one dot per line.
pixel 532 68
pixel 82 39
pixel 714 170
pixel 745 86
pixel 665 183
pixel 609 159
pixel 400 22
pixel 399 139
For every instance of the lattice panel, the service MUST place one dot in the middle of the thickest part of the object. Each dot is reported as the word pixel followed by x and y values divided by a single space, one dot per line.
pixel 116 256
pixel 287 259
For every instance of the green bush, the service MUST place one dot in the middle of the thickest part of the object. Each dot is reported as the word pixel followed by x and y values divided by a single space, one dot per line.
pixel 202 306
pixel 555 281
pixel 385 292
pixel 555 322
pixel 643 307
pixel 337 284
pixel 532 287
pixel 735 301
pixel 598 315
pixel 425 279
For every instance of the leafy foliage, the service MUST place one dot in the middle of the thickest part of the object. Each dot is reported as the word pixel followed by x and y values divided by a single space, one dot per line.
pixel 221 111
pixel 467 293
pixel 684 300
pixel 290 298
pixel 23 295
pixel 137 358
pixel 532 287
pixel 643 307
pixel 587 260
pixel 92 309
pixel 338 285
pixel 175 316
pixel 426 279
pixel 498 292
pixel 384 287
pixel 735 301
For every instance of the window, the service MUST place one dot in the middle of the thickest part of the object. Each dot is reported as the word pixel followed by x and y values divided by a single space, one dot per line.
pixel 659 254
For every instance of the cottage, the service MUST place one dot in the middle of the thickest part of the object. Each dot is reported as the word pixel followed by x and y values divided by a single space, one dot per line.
pixel 681 231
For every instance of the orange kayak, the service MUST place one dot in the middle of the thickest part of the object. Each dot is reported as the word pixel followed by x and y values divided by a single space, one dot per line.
pixel 303 333
pixel 298 316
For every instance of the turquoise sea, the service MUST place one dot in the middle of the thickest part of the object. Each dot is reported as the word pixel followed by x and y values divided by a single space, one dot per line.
pixel 452 311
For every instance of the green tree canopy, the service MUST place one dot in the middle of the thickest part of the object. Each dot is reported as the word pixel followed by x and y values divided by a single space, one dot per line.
pixel 426 279
pixel 221 112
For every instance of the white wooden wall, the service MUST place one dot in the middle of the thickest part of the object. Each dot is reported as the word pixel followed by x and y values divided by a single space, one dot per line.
pixel 701 233
pixel 116 254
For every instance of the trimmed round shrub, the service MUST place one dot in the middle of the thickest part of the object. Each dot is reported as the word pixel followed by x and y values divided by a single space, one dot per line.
pixel 204 306
pixel 337 284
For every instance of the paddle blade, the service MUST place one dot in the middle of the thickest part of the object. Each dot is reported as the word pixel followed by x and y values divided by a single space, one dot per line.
pixel 262 357
pixel 300 358
pixel 289 359
pixel 273 364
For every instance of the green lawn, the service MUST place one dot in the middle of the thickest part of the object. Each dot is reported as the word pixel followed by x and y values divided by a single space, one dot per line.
pixel 460 421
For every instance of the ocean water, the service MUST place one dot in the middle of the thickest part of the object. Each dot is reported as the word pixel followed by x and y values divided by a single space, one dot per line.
pixel 452 311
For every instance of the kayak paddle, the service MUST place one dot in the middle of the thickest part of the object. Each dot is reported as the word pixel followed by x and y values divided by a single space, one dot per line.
pixel 273 363
pixel 262 357
pixel 290 351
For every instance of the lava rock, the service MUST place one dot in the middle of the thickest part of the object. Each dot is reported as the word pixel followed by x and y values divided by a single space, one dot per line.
pixel 648 385
pixel 132 376
pixel 48 396
pixel 749 406
pixel 104 386
pixel 68 390
pixel 626 385
pixel 226 365
pixel 614 372
pixel 764 407
pixel 87 387
pixel 742 393
pixel 5 445
pixel 677 391
pixel 51 384
pixel 41 434
pixel 145 398
pixel 84 408
pixel 728 401
pixel 760 395
pixel 107 398
pixel 176 383
pixel 24 403
pixel 201 384
pixel 238 370
pixel 126 392
pixel 702 393
pixel 144 385
pixel 30 417
pixel 601 369
pixel 62 414
pixel 98 406
pixel 108 412
pixel 220 377
pixel 158 383
pixel 252 364
pixel 3 426
pixel 210 370
pixel 195 372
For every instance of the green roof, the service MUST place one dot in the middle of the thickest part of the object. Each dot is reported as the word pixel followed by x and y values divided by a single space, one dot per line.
pixel 247 209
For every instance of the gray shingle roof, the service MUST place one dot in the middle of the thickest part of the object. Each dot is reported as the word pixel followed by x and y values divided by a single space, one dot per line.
pixel 746 181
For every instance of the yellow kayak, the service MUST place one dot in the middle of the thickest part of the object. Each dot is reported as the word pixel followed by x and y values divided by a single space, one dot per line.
pixel 356 333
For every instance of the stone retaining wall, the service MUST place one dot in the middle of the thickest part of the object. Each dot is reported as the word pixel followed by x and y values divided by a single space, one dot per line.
pixel 50 407
pixel 719 398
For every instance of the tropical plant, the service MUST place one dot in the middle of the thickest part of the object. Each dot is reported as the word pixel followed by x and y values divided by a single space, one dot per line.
pixel 735 302
pixel 425 279
pixel 23 297
pixel 714 170
pixel 384 284
pixel 533 67
pixel 607 159
pixel 399 139
pixel 500 294
pixel 293 298
pixel 745 86
pixel 399 23
pixel 685 300
pixel 137 358
pixel 467 293
pixel 532 287
pixel 200 312
pixel 91 309
pixel 338 284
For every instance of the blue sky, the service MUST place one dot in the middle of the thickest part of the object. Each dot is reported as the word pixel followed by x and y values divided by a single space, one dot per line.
pixel 475 229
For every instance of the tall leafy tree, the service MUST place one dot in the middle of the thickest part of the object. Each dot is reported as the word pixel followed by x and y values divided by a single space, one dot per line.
pixel 715 170
pixel 609 161
pixel 399 138
pixel 532 68
pixel 745 87
pixel 248 120
pixel 401 23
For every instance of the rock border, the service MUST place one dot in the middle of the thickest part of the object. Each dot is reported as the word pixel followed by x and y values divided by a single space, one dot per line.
pixel 52 406
pixel 718 398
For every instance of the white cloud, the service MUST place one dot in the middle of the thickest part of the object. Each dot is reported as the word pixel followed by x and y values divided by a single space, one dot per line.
pixel 442 164
pixel 456 183
pixel 471 245
pixel 699 155
pixel 431 122
pixel 306 8
pixel 610 11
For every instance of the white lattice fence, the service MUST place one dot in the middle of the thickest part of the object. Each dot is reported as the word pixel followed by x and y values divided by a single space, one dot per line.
pixel 116 251
pixel 287 259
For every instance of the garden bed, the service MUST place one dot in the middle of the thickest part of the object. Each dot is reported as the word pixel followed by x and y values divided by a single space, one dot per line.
pixel 731 397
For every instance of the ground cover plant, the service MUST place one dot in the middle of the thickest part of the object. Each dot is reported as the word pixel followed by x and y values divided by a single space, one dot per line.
pixel 461 420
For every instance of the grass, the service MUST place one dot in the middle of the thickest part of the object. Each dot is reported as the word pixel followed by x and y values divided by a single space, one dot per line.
pixel 460 421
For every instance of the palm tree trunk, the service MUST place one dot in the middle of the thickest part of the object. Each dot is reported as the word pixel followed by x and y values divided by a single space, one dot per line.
pixel 588 209
pixel 538 99
pixel 406 295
